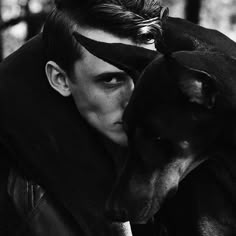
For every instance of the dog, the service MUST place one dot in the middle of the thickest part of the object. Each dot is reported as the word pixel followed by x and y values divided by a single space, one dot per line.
pixel 181 121
pixel 181 129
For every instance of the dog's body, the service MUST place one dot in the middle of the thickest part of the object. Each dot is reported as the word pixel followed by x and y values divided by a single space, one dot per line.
pixel 181 127
pixel 202 206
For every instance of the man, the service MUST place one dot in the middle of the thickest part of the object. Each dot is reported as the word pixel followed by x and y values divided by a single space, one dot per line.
pixel 100 90
pixel 60 128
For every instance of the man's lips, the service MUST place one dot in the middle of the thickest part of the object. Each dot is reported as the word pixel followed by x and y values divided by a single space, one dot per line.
pixel 118 126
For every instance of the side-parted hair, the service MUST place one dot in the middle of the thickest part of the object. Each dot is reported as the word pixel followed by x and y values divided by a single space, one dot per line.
pixel 139 20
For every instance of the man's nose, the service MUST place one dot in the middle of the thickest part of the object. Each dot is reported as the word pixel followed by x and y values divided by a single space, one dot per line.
pixel 127 92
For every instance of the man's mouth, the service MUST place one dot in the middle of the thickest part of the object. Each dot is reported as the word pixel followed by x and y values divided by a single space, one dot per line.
pixel 119 122
pixel 118 126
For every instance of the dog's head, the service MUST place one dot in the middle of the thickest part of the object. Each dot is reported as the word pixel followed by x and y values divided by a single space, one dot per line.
pixel 179 114
pixel 181 111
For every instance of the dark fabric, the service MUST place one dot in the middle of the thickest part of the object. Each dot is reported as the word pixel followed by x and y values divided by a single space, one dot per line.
pixel 39 214
pixel 45 137
pixel 9 218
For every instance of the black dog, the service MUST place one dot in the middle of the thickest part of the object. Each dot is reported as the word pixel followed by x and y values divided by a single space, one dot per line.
pixel 181 120
pixel 181 127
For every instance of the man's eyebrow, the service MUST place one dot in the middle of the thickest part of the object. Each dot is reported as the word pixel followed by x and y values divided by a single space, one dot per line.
pixel 110 74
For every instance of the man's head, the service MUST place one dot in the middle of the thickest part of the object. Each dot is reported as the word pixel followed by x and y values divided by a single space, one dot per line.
pixel 100 90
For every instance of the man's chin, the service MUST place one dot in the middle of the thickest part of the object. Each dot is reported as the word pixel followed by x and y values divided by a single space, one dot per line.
pixel 119 138
pixel 122 140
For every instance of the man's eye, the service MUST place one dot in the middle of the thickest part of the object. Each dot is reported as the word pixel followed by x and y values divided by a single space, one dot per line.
pixel 147 38
pixel 113 81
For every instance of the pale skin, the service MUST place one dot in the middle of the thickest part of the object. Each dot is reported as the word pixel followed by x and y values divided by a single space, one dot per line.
pixel 100 90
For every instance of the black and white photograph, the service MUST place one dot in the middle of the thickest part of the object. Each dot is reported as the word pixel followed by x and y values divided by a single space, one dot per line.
pixel 118 117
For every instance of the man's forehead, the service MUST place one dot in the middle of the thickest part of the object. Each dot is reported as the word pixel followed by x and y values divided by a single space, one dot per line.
pixel 102 36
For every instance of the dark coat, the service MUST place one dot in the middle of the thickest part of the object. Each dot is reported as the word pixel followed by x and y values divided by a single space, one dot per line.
pixel 43 135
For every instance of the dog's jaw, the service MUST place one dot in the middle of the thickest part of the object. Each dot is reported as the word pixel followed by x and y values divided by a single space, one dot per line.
pixel 142 194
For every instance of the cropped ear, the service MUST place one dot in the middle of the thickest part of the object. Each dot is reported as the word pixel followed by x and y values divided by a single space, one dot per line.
pixel 198 86
pixel 132 59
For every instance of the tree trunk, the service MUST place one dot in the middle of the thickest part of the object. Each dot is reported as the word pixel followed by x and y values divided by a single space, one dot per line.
pixel 192 10
pixel 34 21
pixel 1 41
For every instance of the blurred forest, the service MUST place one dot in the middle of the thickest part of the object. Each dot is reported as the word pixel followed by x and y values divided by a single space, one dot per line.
pixel 22 19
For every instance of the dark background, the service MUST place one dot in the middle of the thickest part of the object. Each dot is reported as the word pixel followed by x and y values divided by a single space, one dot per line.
pixel 22 19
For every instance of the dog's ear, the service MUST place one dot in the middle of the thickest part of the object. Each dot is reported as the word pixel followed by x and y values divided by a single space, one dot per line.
pixel 198 86
pixel 132 59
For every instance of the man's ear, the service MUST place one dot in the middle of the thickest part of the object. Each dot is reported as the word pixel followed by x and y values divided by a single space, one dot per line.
pixel 57 78
pixel 198 86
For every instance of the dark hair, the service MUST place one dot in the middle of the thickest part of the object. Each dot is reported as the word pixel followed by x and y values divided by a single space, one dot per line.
pixel 139 20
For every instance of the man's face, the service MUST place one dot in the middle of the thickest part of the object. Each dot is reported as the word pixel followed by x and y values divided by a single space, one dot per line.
pixel 100 90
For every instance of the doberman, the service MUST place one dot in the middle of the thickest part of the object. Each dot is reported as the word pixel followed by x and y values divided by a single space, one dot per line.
pixel 181 127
